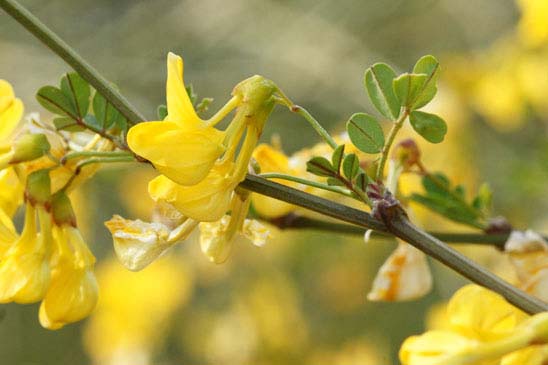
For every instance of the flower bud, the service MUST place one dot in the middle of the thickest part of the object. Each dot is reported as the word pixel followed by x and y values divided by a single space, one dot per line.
pixel 38 187
pixel 29 147
pixel 406 153
pixel 61 210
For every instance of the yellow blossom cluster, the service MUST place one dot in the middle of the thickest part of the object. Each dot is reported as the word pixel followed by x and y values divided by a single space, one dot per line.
pixel 480 328
pixel 200 168
pixel 48 261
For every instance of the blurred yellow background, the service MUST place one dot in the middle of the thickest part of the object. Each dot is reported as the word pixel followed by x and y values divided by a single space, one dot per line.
pixel 300 299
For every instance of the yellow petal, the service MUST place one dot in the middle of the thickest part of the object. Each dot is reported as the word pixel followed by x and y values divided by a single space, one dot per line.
pixel 8 235
pixel 11 110
pixel 179 106
pixel 256 232
pixel 206 201
pixel 533 355
pixel 11 191
pixel 479 313
pixel 184 156
pixel 28 276
pixel 271 160
pixel 24 269
pixel 216 243
pixel 433 347
pixel 72 296
pixel 73 290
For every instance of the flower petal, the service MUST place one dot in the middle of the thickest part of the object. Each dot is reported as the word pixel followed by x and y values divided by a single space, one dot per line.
pixel 179 106
pixel 11 110
pixel 479 313
pixel 184 156
pixel 433 347
pixel 206 201
pixel 72 295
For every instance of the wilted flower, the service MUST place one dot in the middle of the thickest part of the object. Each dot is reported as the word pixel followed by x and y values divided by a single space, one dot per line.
pixel 138 243
pixel 404 276
pixel 528 253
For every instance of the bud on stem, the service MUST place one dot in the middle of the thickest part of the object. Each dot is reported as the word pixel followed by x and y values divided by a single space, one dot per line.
pixel 29 147
pixel 38 189
pixel 61 209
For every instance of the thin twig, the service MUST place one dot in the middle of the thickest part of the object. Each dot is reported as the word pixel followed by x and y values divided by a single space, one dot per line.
pixel 67 53
pixel 389 141
pixel 297 222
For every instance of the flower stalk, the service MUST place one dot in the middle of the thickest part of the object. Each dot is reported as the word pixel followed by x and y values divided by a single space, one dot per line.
pixel 390 140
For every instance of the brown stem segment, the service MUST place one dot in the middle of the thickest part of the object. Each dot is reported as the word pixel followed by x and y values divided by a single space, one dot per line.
pixel 401 227
pixel 395 222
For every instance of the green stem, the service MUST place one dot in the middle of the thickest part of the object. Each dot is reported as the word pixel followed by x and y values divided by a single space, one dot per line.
pixel 315 124
pixel 403 229
pixel 386 149
pixel 63 50
pixel 78 154
pixel 93 160
pixel 282 99
pixel 335 189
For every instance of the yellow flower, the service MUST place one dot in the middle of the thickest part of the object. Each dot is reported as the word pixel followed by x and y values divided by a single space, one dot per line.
pixel 138 243
pixel 404 276
pixel 183 147
pixel 24 269
pixel 482 327
pixel 73 291
pixel 206 201
pixel 200 169
pixel 272 160
pixel 200 165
